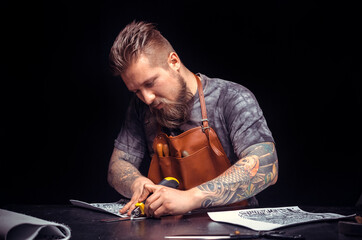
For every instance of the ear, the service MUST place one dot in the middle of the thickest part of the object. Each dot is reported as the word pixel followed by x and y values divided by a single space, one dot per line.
pixel 174 61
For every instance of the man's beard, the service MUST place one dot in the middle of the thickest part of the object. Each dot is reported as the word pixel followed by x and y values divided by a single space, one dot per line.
pixel 174 113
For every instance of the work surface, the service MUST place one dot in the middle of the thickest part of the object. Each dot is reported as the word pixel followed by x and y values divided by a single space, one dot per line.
pixel 87 224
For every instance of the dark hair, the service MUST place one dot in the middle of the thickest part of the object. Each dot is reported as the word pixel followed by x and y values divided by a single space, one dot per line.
pixel 135 39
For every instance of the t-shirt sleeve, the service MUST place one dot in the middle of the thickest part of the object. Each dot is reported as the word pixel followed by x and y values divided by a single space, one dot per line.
pixel 245 120
pixel 131 138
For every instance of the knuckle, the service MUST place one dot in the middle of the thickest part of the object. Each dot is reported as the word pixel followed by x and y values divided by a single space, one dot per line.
pixel 168 207
pixel 150 208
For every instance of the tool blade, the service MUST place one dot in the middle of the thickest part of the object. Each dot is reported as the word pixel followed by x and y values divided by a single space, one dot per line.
pixel 198 237
pixel 108 220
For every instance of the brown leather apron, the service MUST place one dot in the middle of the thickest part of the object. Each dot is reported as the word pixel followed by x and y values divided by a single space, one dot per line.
pixel 193 157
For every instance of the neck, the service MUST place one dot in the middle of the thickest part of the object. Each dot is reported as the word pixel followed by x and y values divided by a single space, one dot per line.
pixel 190 80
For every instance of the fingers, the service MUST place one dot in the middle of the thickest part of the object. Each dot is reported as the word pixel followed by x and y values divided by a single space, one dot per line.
pixel 146 192
pixel 168 201
pixel 151 198
pixel 138 196
pixel 128 208
pixel 153 207
pixel 151 188
pixel 159 200
pixel 140 193
pixel 154 204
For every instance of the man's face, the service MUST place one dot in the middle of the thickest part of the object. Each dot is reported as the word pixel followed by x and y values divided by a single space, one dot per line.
pixel 163 90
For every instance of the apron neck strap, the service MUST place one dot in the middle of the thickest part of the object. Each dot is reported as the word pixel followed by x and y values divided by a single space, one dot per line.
pixel 204 120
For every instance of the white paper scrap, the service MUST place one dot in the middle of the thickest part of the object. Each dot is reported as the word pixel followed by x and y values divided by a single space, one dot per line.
pixel 267 219
pixel 20 226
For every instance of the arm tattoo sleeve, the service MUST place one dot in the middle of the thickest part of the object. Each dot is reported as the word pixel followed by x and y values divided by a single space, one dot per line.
pixel 122 173
pixel 255 171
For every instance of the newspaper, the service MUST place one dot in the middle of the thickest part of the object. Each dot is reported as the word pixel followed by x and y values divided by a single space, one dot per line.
pixel 267 219
pixel 112 208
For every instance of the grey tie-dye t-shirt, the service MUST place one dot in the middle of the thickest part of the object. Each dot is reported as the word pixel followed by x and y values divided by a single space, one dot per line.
pixel 232 110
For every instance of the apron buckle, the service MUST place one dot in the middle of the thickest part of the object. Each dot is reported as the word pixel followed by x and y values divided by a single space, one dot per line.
pixel 202 124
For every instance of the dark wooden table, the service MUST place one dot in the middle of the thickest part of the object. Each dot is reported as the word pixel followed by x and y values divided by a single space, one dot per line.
pixel 86 224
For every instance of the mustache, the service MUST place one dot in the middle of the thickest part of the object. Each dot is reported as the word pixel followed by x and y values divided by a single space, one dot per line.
pixel 165 101
pixel 173 113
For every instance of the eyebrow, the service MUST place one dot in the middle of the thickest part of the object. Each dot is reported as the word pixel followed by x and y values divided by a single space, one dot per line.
pixel 150 79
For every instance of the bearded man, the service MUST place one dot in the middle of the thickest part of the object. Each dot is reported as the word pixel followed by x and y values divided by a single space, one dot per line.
pixel 208 133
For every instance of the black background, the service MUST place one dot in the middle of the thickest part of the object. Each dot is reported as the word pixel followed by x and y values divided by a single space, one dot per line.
pixel 62 108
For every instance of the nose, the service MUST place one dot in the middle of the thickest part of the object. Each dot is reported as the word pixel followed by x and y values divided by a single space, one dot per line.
pixel 147 96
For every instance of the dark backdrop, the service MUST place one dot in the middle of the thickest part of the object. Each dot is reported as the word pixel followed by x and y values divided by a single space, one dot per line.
pixel 63 109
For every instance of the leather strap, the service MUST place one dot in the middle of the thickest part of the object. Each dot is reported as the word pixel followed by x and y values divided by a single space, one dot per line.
pixel 204 119
pixel 205 122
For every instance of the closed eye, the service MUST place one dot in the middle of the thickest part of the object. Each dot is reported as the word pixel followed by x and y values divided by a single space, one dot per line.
pixel 150 83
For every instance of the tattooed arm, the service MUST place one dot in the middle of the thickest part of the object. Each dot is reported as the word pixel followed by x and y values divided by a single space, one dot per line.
pixel 125 178
pixel 255 171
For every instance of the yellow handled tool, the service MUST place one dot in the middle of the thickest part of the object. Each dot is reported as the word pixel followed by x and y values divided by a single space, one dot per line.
pixel 140 207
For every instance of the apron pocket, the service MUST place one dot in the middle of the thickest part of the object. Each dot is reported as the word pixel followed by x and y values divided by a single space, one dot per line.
pixel 195 169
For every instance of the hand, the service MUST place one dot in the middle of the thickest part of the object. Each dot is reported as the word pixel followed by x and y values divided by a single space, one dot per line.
pixel 140 193
pixel 168 201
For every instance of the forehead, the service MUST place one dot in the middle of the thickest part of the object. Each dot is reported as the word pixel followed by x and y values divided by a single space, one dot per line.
pixel 138 72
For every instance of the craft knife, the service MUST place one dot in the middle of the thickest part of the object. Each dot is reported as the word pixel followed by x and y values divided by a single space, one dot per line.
pixel 140 207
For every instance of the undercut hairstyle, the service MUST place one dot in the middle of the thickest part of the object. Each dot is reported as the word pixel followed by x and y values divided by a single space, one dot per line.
pixel 135 39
